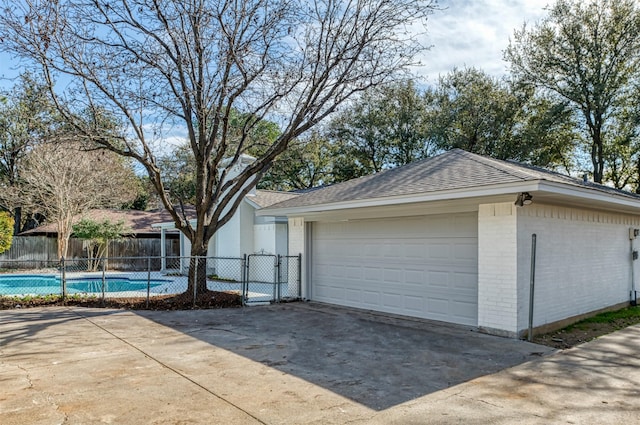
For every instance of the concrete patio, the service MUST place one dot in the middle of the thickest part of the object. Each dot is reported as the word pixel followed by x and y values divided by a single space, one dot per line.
pixel 299 363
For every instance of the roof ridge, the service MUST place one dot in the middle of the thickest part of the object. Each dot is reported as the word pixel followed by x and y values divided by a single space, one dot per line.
pixel 505 166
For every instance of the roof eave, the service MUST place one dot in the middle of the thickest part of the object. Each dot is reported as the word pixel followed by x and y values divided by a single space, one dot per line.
pixel 603 199
pixel 473 192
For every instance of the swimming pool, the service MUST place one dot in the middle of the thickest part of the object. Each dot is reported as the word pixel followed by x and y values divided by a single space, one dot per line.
pixel 50 284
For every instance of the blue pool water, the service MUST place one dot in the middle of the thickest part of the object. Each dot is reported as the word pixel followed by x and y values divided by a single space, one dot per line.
pixel 43 285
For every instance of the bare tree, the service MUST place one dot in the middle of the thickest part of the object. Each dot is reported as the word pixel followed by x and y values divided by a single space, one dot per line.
pixel 27 116
pixel 189 64
pixel 63 181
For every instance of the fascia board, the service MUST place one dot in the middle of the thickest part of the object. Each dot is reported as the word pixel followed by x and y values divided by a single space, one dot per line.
pixel 501 189
pixel 588 194
pixel 170 224
pixel 164 225
pixel 252 203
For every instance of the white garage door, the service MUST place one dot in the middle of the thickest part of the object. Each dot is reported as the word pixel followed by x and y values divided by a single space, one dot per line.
pixel 417 266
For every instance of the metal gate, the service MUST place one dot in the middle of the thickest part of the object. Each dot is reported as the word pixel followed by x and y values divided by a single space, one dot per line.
pixel 271 278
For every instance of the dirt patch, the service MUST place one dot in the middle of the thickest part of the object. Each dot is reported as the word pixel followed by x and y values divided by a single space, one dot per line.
pixel 582 332
pixel 205 300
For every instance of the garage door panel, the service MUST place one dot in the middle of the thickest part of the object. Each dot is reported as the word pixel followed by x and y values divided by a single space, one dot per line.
pixel 439 251
pixel 466 251
pixel 414 304
pixel 467 281
pixel 392 300
pixel 414 277
pixel 403 266
pixel 463 309
pixel 371 298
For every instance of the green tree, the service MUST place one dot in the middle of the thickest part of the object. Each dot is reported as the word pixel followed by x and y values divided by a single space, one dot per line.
pixel 622 152
pixel 97 236
pixel 309 162
pixel 179 167
pixel 471 110
pixel 546 134
pixel 143 198
pixel 589 54
pixel 385 128
pixel 27 118
pixel 6 231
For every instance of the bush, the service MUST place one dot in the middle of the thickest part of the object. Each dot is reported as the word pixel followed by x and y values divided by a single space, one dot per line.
pixel 6 231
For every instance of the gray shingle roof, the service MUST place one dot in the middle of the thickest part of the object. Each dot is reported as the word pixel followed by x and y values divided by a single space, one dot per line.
pixel 138 222
pixel 455 169
pixel 265 198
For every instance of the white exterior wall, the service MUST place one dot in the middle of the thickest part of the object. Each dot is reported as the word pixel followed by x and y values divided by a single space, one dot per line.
pixel 264 240
pixel 228 238
pixel 247 215
pixel 282 239
pixel 298 245
pixel 270 238
pixel 236 237
pixel 583 261
pixel 498 268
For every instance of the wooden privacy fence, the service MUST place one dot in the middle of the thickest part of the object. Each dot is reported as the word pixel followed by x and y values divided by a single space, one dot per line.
pixel 43 248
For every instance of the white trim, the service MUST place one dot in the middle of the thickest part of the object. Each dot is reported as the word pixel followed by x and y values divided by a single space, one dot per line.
pixel 541 186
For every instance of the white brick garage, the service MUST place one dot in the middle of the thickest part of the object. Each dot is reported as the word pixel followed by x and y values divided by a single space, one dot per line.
pixel 449 238
pixel 417 266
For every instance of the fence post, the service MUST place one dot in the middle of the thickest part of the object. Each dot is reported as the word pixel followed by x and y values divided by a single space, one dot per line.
pixel 300 276
pixel 195 280
pixel 64 278
pixel 243 278
pixel 148 279
pixel 104 280
pixel 279 276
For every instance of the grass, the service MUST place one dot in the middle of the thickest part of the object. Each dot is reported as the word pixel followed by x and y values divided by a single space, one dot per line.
pixel 624 315
pixel 221 279
pixel 590 328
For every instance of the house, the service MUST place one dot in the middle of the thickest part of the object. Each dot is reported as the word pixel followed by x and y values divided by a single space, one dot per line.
pixel 245 233
pixel 144 239
pixel 450 238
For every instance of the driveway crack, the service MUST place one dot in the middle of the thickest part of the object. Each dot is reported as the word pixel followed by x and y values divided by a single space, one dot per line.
pixel 460 394
pixel 27 375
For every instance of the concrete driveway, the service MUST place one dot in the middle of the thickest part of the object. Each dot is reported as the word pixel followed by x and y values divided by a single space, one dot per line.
pixel 299 363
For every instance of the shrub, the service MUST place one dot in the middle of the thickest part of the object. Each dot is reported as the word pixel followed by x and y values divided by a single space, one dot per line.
pixel 6 231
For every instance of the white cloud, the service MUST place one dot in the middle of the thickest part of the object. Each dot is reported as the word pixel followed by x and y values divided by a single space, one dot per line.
pixel 474 34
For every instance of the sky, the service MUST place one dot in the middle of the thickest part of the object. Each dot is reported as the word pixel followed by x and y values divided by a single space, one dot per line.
pixel 470 33
pixel 474 33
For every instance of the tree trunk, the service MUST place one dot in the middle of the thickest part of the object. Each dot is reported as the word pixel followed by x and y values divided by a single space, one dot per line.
pixel 17 217
pixel 197 270
pixel 63 244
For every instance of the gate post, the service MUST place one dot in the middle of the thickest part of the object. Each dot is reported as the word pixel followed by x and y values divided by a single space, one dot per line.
pixel 64 278
pixel 243 277
pixel 276 274
pixel 104 280
pixel 148 279
pixel 300 276
pixel 279 277
pixel 195 281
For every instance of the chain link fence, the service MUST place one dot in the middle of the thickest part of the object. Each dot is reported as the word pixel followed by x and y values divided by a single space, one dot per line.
pixel 255 278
